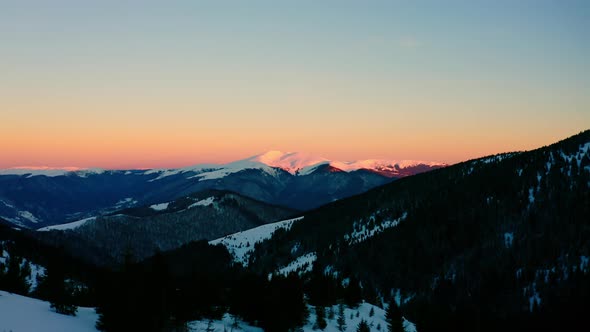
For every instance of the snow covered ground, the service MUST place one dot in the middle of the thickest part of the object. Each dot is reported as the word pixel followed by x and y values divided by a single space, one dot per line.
pixel 353 317
pixel 24 314
pixel 241 244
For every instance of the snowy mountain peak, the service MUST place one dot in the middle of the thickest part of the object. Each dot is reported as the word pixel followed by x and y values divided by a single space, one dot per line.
pixel 303 164
pixel 289 161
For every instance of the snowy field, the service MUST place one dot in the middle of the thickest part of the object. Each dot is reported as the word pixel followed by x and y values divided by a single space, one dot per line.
pixel 24 314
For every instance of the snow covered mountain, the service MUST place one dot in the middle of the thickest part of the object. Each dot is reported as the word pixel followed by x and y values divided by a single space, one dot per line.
pixel 39 197
pixel 300 164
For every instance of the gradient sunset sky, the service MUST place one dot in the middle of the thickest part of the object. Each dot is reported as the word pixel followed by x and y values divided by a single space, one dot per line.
pixel 142 84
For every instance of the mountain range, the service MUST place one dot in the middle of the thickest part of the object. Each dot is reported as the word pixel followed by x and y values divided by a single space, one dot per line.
pixel 35 198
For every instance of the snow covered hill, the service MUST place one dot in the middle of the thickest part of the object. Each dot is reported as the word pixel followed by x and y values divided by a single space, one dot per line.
pixel 25 314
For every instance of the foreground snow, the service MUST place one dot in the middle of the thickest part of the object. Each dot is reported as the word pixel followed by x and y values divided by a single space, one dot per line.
pixel 241 244
pixel 24 314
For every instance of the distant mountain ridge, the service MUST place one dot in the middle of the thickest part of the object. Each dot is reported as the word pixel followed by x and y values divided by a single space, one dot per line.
pixel 159 227
pixel 296 163
pixel 35 198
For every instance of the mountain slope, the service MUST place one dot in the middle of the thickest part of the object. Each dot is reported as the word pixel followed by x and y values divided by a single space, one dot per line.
pixel 480 242
pixel 142 231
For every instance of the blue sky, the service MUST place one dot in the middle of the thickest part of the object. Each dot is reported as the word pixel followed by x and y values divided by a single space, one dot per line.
pixel 444 80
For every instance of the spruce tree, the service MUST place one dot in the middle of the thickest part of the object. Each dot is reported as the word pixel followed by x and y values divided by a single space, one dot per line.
pixel 363 327
pixel 320 313
pixel 341 321
pixel 393 317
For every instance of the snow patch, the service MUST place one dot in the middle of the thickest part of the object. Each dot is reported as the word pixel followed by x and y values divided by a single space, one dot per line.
pixel 159 207
pixel 68 226
pixel 241 244
pixel 29 216
pixel 364 230
pixel 301 264
pixel 204 202
pixel 36 272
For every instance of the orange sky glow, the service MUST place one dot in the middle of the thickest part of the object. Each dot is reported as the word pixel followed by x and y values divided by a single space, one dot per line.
pixel 113 85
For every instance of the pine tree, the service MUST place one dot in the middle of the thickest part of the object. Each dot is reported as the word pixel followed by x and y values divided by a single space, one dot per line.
pixel 372 312
pixel 363 327
pixel 393 317
pixel 341 321
pixel 320 313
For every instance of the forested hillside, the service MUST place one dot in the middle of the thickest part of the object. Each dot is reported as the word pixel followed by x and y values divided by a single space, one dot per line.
pixel 469 247
pixel 141 232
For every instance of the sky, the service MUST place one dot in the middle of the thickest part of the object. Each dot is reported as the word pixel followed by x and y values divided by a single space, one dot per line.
pixel 161 84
